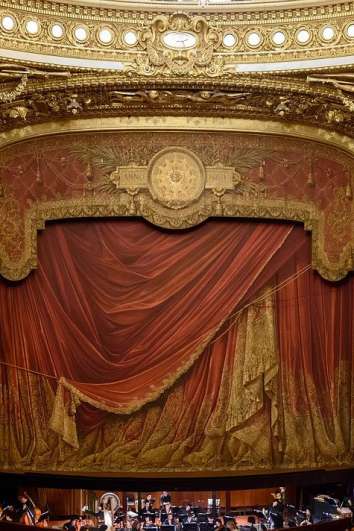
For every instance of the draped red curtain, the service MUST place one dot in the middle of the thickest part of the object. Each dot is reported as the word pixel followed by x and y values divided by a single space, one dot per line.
pixel 120 311
pixel 315 324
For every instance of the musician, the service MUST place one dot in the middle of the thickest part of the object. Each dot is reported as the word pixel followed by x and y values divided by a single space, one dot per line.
pixel 148 523
pixel 24 510
pixel 71 525
pixel 40 517
pixel 131 521
pixel 170 520
pixel 147 509
pixel 166 508
pixel 251 524
pixel 165 498
pixel 190 518
pixel 219 525
pixel 7 513
pixel 231 525
pixel 108 515
pixel 149 500
pixel 276 514
pixel 308 518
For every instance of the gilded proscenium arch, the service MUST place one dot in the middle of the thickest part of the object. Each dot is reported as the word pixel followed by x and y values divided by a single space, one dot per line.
pixel 95 206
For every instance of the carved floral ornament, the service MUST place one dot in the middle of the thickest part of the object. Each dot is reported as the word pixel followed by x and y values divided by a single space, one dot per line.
pixel 176 179
pixel 179 45
pixel 171 181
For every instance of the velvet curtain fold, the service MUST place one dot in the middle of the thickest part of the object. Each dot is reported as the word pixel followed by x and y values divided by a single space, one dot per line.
pixel 316 339
pixel 119 306
pixel 123 327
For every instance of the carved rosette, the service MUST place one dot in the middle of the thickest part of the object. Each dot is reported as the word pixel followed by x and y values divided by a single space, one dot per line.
pixel 176 177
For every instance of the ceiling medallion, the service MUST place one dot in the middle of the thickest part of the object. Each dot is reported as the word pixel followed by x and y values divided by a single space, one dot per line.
pixel 180 45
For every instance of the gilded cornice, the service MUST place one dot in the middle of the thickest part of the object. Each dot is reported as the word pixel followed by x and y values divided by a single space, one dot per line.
pixel 51 96
pixel 240 23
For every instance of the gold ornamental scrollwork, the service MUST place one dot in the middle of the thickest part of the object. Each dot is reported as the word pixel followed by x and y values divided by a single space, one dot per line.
pixel 176 178
pixel 191 54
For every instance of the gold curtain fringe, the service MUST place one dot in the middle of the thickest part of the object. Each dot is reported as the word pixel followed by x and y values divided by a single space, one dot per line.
pixel 241 424
pixel 236 315
pixel 268 371
pixel 63 416
pixel 63 427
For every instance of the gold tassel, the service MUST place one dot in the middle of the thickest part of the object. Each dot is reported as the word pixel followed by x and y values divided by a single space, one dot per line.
pixel 89 173
pixel 261 170
pixel 348 190
pixel 310 181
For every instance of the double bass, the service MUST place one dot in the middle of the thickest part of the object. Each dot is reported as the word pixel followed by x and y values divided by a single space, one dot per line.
pixel 32 515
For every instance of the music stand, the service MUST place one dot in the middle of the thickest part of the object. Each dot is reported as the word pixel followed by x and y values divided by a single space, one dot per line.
pixel 190 527
pixel 206 526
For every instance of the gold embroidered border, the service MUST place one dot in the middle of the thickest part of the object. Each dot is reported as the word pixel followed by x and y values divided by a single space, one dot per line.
pixel 63 420
pixel 158 215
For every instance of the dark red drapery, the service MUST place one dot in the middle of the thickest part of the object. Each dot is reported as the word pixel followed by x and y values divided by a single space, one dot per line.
pixel 120 310
pixel 123 326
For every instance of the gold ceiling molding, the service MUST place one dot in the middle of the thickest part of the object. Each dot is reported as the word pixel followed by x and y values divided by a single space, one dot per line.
pixel 123 36
pixel 217 190
pixel 179 123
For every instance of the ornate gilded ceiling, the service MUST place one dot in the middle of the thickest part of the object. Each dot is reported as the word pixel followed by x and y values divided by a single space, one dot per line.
pixel 121 36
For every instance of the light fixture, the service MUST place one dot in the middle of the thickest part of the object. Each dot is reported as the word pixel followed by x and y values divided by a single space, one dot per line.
pixel 57 31
pixel 8 23
pixel 32 26
pixel 350 31
pixel 229 40
pixel 278 38
pixel 105 35
pixel 328 33
pixel 254 39
pixel 81 33
pixel 303 36
pixel 130 38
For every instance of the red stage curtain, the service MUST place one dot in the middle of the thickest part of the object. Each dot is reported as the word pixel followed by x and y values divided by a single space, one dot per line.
pixel 121 327
pixel 315 322
pixel 119 305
